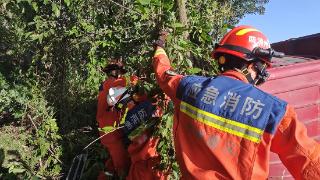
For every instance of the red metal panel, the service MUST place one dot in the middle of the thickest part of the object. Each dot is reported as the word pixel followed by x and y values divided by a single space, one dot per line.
pixel 309 115
pixel 301 97
pixel 293 69
pixel 313 127
pixel 279 172
pixel 309 112
pixel 274 158
pixel 299 85
pixel 292 77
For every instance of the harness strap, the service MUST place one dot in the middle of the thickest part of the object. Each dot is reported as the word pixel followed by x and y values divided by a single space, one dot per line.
pixel 247 74
pixel 262 74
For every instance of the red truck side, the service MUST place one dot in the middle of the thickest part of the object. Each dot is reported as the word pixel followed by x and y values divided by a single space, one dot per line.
pixel 296 80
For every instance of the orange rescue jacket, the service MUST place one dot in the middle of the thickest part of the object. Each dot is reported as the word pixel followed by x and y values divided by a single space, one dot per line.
pixel 226 141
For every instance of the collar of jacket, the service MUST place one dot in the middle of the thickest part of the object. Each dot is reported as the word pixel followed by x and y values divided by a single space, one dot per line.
pixel 235 75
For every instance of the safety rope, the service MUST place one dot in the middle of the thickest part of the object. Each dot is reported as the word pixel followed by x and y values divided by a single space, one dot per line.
pixel 120 127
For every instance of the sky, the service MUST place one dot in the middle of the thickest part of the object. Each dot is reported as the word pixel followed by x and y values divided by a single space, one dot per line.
pixel 285 19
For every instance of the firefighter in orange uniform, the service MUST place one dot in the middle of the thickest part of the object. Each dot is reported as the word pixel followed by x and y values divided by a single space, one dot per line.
pixel 106 117
pixel 225 128
pixel 132 157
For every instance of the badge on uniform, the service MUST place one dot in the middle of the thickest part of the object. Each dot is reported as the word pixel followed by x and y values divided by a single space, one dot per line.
pixel 137 116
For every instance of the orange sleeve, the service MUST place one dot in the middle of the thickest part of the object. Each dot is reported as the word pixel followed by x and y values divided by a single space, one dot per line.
pixel 102 105
pixel 298 152
pixel 113 141
pixel 168 81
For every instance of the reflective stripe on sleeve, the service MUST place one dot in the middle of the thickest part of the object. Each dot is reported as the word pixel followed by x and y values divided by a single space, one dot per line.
pixel 159 51
pixel 232 127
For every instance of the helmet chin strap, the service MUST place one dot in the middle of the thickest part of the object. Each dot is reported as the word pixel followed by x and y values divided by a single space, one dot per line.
pixel 262 73
pixel 247 74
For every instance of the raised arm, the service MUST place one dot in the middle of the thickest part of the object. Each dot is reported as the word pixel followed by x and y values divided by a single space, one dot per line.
pixel 167 79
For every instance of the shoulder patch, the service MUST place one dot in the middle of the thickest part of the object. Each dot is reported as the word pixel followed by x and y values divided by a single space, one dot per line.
pixel 171 73
pixel 246 108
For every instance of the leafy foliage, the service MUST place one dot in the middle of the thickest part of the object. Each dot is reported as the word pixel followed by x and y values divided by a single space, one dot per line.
pixel 51 53
pixel 36 132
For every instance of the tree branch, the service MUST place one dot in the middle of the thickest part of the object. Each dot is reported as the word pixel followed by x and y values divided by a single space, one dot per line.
pixel 183 18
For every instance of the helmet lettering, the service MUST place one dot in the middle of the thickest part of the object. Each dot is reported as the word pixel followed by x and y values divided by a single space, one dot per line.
pixel 258 42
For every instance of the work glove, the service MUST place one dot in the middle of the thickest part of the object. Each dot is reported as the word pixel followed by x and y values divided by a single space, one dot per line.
pixel 161 41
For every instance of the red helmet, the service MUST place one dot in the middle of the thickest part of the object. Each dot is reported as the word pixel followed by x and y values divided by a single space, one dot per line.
pixel 242 42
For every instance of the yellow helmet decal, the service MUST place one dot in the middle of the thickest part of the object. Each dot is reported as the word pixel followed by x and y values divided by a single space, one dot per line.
pixel 245 31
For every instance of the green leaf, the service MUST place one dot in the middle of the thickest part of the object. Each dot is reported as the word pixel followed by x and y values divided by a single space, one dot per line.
pixel 9 52
pixel 16 170
pixel 177 25
pixel 160 144
pixel 67 2
pixel 35 178
pixel 144 2
pixel 183 43
pixel 55 9
pixel 194 70
pixel 107 129
pixel 189 62
pixel 35 6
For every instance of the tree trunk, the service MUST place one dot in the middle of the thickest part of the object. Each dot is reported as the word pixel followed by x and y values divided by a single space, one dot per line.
pixel 183 18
